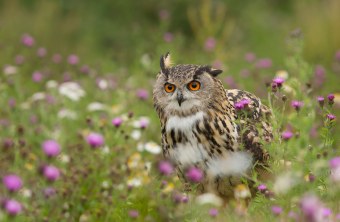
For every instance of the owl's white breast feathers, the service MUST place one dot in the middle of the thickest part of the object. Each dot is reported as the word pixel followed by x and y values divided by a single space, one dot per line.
pixel 183 123
pixel 189 153
pixel 186 105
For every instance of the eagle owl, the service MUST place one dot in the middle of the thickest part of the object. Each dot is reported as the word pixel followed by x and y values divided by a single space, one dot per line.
pixel 203 127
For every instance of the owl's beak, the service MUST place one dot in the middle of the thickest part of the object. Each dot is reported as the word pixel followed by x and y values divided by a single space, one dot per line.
pixel 180 98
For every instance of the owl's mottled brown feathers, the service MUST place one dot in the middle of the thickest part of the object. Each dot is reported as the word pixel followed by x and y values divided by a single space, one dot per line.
pixel 202 128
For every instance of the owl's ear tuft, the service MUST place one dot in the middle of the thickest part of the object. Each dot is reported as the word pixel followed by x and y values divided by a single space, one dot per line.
pixel 165 63
pixel 214 72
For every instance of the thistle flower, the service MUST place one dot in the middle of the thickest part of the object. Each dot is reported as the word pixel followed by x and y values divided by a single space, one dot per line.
pixel 311 208
pixel 27 40
pixel 56 58
pixel 213 212
pixel 73 59
pixel 278 81
pixel 319 75
pixel 242 104
pixel 331 117
pixel 51 148
pixel 13 207
pixel 330 98
pixel 117 121
pixel 12 182
pixel 133 213
pixel 165 168
pixel 95 140
pixel 286 135
pixel 51 173
pixel 297 104
pixel 142 94
pixel 262 187
pixel 277 210
pixel 335 169
pixel 37 76
pixel 321 100
pixel 250 57
pixel 19 59
pixel 41 52
pixel 264 63
pixel 194 175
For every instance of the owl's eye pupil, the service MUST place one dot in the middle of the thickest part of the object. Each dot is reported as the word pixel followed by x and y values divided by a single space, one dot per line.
pixel 194 85
pixel 170 87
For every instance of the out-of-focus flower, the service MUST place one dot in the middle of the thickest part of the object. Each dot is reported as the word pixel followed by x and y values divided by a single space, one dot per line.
pixel 330 98
pixel 262 187
pixel 136 134
pixel 277 210
pixel 51 84
pixel 282 74
pixel 241 191
pixel 335 169
pixel 217 64
pixel 117 121
pixel 312 208
pixel 133 213
pixel 19 59
pixel 331 117
pixel 71 90
pixel 12 182
pixel 96 106
pixel 168 37
pixel 102 84
pixel 245 73
pixel 165 168
pixel 73 59
pixel 321 100
pixel 286 135
pixel 10 70
pixel 337 56
pixel 67 114
pixel 56 58
pixel 194 175
pixel 250 57
pixel 297 104
pixel 242 104
pixel 49 192
pixel 84 69
pixel 152 147
pixel 210 44
pixel 142 94
pixel 11 103
pixel 284 183
pixel 27 193
pixel 37 76
pixel 264 63
pixel 13 207
pixel 319 75
pixel 27 40
pixel 51 173
pixel 209 198
pixel 95 140
pixel 278 81
pixel 142 123
pixel 41 52
pixel 213 212
pixel 229 80
pixel 51 148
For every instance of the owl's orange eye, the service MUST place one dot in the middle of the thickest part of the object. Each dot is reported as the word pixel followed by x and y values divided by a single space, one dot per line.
pixel 194 85
pixel 169 87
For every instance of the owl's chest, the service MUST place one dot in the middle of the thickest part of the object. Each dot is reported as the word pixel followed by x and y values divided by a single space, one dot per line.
pixel 198 139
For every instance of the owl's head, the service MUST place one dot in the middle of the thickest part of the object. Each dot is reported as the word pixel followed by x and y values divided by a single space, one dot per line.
pixel 183 87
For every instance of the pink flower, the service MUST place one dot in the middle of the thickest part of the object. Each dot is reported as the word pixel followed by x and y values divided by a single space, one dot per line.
pixel 95 140
pixel 262 187
pixel 194 175
pixel 117 121
pixel 250 57
pixel 84 69
pixel 337 56
pixel 51 173
pixel 334 162
pixel 297 104
pixel 331 117
pixel 133 213
pixel 277 210
pixel 264 63
pixel 286 135
pixel 37 76
pixel 210 44
pixel 51 148
pixel 142 94
pixel 311 208
pixel 165 168
pixel 330 98
pixel 278 81
pixel 27 40
pixel 41 52
pixel 242 104
pixel 12 182
pixel 13 207
pixel 321 100
pixel 73 59
pixel 213 212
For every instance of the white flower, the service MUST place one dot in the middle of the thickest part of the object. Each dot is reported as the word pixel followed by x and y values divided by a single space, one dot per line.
pixel 282 74
pixel 64 158
pixel 284 182
pixel 67 114
pixel 38 96
pixel 105 184
pixel 71 90
pixel 96 106
pixel 103 84
pixel 136 134
pixel 152 147
pixel 105 150
pixel 51 84
pixel 10 70
pixel 136 182
pixel 26 193
pixel 209 198
pixel 142 122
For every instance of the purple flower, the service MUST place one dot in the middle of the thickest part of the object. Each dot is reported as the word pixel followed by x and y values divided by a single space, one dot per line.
pixel 194 174
pixel 73 59
pixel 213 212
pixel 330 98
pixel 168 37
pixel 11 102
pixel 297 104
pixel 51 173
pixel 334 162
pixel 27 40
pixel 41 52
pixel 286 135
pixel 278 81
pixel 311 208
pixel 144 123
pixel 117 121
pixel 142 94
pixel 37 76
pixel 49 192
pixel 262 187
pixel 242 104
pixel 19 59
pixel 331 117
pixel 264 63
pixel 326 212
pixel 277 210
pixel 95 140
pixel 165 168
pixel 13 207
pixel 56 58
pixel 185 199
pixel 133 213
pixel 12 182
pixel 51 148
pixel 321 100
pixel 250 57
pixel 319 75
pixel 210 44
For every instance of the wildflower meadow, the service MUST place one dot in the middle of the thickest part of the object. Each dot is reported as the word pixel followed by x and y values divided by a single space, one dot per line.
pixel 79 137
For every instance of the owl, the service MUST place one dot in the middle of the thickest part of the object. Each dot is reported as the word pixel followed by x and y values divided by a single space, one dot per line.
pixel 219 131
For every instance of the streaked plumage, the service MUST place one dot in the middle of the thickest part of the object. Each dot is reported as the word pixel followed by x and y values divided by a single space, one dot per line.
pixel 202 128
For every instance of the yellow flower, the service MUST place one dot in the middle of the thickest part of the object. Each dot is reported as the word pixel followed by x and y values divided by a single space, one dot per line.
pixel 241 191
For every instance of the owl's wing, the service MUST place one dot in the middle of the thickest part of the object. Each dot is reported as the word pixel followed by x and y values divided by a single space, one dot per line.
pixel 253 123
